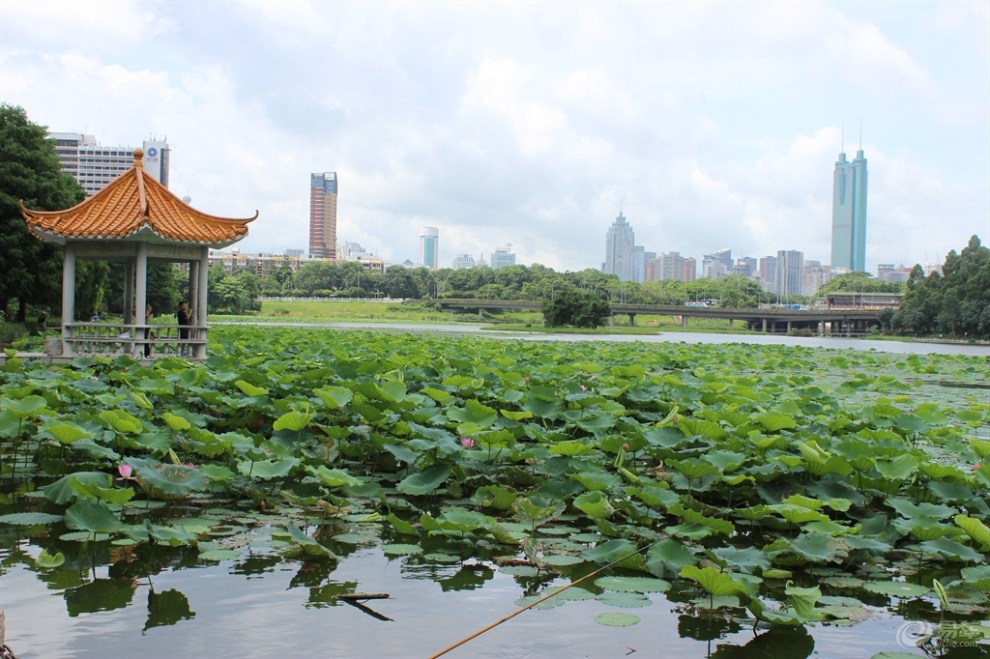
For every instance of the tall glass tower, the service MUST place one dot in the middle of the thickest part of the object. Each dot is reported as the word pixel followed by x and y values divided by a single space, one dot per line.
pixel 619 243
pixel 429 247
pixel 849 213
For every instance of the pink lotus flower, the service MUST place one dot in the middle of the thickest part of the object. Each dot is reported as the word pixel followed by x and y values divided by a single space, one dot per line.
pixel 467 442
pixel 625 447
pixel 125 471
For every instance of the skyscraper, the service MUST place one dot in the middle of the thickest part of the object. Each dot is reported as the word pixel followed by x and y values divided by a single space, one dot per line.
pixel 849 214
pixel 619 243
pixel 789 272
pixel 429 247
pixel 95 165
pixel 502 257
pixel 323 215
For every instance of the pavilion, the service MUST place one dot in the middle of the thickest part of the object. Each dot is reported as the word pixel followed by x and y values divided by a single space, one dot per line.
pixel 134 220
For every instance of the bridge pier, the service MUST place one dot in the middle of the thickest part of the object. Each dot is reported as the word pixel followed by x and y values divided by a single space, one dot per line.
pixel 764 325
pixel 683 322
pixel 632 320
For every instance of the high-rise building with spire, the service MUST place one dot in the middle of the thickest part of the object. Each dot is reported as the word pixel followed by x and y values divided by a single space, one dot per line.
pixel 323 215
pixel 620 242
pixel 849 214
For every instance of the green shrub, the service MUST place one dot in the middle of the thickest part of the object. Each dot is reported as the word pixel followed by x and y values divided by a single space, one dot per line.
pixel 11 332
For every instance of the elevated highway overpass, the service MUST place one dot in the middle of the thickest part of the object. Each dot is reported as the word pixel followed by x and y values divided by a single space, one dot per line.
pixel 832 321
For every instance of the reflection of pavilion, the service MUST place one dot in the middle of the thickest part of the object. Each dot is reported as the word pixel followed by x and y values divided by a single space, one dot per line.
pixel 135 219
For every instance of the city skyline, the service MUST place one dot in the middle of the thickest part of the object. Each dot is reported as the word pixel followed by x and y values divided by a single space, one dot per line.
pixel 709 125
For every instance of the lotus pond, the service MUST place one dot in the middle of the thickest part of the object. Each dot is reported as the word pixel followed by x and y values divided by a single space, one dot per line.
pixel 711 500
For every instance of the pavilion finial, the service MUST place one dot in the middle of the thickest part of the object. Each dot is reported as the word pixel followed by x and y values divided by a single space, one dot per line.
pixel 139 158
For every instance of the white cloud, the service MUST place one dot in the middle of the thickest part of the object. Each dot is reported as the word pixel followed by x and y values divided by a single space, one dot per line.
pixel 709 124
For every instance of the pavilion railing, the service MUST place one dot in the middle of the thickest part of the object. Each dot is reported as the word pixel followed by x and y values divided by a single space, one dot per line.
pixel 138 341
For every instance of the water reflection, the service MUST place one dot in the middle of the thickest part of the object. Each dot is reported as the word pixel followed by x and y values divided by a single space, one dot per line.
pixel 167 608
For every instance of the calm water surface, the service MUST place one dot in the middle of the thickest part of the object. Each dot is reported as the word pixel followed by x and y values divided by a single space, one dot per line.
pixel 836 343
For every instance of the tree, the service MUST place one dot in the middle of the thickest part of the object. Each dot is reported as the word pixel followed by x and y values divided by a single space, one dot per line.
pixel 956 302
pixel 571 306
pixel 29 170
pixel 398 282
pixel 858 282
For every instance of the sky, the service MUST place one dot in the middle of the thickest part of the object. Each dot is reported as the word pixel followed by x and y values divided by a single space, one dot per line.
pixel 708 125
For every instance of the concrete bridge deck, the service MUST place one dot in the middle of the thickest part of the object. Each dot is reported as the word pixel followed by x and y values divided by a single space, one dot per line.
pixel 844 321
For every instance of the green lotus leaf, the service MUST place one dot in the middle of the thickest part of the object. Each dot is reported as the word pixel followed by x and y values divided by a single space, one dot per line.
pixel 169 481
pixel 571 447
pixel 749 559
pixel 66 432
pixel 401 549
pixel 462 519
pixel 266 470
pixel 401 526
pixel 694 467
pixel 141 400
pixel 714 582
pixel 47 561
pixel 494 496
pixel 594 504
pixel 76 485
pixel 775 422
pixel 249 389
pixel 974 528
pixel 616 619
pixel 621 550
pixel 121 421
pixel 423 482
pixel 92 516
pixel 624 600
pixel 335 397
pixel 816 547
pixel 900 589
pixel 668 556
pixel 334 477
pixel 977 577
pixel 899 468
pixel 443 397
pixel 803 600
pixel 219 555
pixel 293 420
pixel 633 584
pixel 473 412
pixel 308 544
pixel 950 550
pixel 27 407
pixel 29 519
pixel 561 560
pixel 176 422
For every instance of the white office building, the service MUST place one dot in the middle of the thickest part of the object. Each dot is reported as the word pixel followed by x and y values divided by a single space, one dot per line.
pixel 95 165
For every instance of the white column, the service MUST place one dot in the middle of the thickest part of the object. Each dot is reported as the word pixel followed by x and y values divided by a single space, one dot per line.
pixel 141 283
pixel 204 282
pixel 68 296
pixel 128 289
pixel 193 285
pixel 200 317
pixel 141 293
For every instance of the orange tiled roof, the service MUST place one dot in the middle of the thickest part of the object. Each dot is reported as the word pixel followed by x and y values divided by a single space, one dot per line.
pixel 133 202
